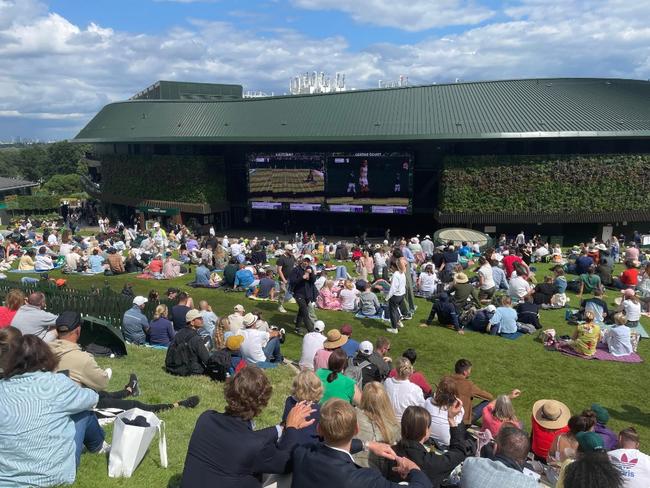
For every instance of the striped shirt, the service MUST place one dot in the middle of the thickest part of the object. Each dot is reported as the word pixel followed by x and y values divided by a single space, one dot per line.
pixel 37 446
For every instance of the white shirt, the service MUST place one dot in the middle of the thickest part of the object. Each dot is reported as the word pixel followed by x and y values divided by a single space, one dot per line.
pixel 488 277
pixel 632 310
pixel 634 466
pixel 618 340
pixel 312 342
pixel 518 287
pixel 440 424
pixel 320 281
pixel 51 240
pixel 236 322
pixel 235 249
pixel 380 260
pixel 397 285
pixel 403 394
pixel 254 342
pixel 348 299
pixel 428 282
pixel 65 249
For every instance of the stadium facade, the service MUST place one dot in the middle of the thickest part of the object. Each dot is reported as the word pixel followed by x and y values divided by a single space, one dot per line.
pixel 552 155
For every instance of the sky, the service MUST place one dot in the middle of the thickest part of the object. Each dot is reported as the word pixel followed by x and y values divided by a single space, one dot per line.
pixel 62 60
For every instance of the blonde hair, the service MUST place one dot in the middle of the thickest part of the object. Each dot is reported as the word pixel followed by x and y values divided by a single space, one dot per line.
pixel 329 284
pixel 620 318
pixel 222 325
pixel 589 316
pixel 338 421
pixel 307 387
pixel 349 285
pixel 503 409
pixel 15 299
pixel 404 369
pixel 161 311
pixel 378 408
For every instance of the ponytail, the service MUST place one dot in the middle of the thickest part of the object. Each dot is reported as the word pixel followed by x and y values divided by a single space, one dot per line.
pixel 332 376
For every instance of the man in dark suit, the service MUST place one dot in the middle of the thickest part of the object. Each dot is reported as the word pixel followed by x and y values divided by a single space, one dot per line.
pixel 301 284
pixel 330 465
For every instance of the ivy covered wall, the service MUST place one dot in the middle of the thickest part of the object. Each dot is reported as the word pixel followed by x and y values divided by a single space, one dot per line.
pixel 550 184
pixel 189 179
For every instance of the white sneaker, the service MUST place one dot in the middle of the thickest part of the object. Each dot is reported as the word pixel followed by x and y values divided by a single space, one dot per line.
pixel 281 309
pixel 391 330
pixel 400 324
pixel 105 449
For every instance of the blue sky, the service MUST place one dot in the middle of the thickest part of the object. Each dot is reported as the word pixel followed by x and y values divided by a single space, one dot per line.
pixel 64 59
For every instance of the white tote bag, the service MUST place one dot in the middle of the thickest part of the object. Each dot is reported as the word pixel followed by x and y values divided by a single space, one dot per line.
pixel 130 443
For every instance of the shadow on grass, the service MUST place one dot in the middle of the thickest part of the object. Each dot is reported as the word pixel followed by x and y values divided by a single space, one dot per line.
pixel 175 481
pixel 631 414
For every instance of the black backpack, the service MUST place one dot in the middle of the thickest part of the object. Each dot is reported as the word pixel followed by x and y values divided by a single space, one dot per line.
pixel 179 358
pixel 218 365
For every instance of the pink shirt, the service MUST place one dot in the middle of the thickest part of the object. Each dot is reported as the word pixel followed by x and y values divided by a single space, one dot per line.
pixel 491 423
pixel 321 358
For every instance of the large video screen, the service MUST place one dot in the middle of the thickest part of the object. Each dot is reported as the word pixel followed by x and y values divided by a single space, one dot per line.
pixel 297 179
pixel 375 182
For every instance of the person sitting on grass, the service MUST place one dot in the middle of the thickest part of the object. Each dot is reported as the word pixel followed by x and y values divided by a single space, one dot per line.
pixel 468 390
pixel 331 463
pixel 328 298
pixel 307 388
pixel 369 305
pixel 446 312
pixel 351 346
pixel 244 278
pixel 565 445
pixel 586 336
pixel 135 325
pixel 549 419
pixel 444 400
pixel 202 277
pixel 47 419
pixel 349 296
pixel 587 282
pixel 635 474
pixel 335 383
pixel 401 391
pixel 417 377
pixel 618 338
pixel 225 451
pixel 265 289
pixel 544 291
pixel 500 412
pixel 519 288
pixel 428 281
pixel 26 262
pixel 161 330
pixel 96 262
pixel 481 319
pixel 13 301
pixel 463 291
pixel 528 312
pixel 415 432
pixel 260 348
pixel 187 353
pixel 83 370
pixel 595 304
pixel 43 261
pixel 504 320
pixel 592 467
pixel 631 306
pixel 115 261
pixel 628 278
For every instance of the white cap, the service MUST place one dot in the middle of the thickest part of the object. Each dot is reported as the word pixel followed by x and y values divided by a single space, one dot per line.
pixel 386 241
pixel 307 256
pixel 239 308
pixel 366 348
pixel 139 300
pixel 491 308
pixel 319 326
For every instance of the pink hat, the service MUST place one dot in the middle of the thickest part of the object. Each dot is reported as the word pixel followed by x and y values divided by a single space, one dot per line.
pixel 628 293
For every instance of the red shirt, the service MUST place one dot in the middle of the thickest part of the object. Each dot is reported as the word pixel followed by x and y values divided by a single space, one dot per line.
pixel 630 277
pixel 543 438
pixel 155 266
pixel 6 316
pixel 416 378
pixel 509 264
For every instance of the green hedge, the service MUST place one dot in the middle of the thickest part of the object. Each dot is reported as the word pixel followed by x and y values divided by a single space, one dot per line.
pixel 33 202
pixel 551 184
pixel 189 179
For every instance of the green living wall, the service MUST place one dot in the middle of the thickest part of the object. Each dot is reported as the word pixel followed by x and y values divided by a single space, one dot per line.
pixel 188 179
pixel 552 184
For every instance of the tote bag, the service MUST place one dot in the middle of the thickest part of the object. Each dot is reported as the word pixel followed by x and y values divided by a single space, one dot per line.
pixel 130 443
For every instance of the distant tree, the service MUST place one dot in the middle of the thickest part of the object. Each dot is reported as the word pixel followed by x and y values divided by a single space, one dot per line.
pixel 31 161
pixel 63 158
pixel 62 185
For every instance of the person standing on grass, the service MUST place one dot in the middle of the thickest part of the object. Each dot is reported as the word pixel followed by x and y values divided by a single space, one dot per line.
pixel 395 298
pixel 284 266
pixel 301 282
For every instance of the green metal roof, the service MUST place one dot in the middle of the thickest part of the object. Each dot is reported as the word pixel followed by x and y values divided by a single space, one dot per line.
pixel 532 108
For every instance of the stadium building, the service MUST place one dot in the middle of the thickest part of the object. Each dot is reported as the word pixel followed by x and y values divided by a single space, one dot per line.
pixel 555 156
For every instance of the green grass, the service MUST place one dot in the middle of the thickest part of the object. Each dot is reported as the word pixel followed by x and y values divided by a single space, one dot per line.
pixel 499 366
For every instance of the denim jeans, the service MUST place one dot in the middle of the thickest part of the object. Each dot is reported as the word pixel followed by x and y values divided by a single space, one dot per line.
pixel 272 351
pixel 477 410
pixel 88 433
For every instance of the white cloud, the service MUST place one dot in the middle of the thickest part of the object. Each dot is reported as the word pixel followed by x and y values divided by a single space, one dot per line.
pixel 408 15
pixel 59 74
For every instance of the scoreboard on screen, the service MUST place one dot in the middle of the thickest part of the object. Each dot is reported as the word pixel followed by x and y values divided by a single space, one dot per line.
pixel 354 182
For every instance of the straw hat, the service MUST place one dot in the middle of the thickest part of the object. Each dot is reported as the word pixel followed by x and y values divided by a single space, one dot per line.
pixel 334 339
pixel 551 414
pixel 461 278
pixel 249 319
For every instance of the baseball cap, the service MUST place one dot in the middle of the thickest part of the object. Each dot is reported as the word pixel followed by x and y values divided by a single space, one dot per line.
pixel 366 348
pixel 589 442
pixel 239 308
pixel 319 326
pixel 68 321
pixel 491 308
pixel 602 415
pixel 139 300
pixel 346 330
pixel 193 314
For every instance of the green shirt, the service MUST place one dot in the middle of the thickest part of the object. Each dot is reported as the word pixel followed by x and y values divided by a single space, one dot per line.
pixel 342 387
pixel 591 282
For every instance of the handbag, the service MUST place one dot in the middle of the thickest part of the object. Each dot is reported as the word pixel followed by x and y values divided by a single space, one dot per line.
pixel 131 442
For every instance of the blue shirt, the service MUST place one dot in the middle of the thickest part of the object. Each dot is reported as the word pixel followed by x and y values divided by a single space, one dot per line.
pixel 37 446
pixel 499 277
pixel 202 275
pixel 351 347
pixel 506 319
pixel 161 332
pixel 582 264
pixel 134 324
pixel 406 252
pixel 244 278
pixel 561 284
pixel 96 262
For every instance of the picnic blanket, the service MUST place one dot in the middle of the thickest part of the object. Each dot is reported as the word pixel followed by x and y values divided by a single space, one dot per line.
pixel 602 354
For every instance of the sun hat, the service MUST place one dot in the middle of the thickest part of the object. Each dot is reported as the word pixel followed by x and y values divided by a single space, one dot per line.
pixel 427 236
pixel 249 319
pixel 366 348
pixel 346 329
pixel 334 339
pixel 139 300
pixel 461 278
pixel 602 415
pixel 551 414
pixel 601 247
pixel 239 308
pixel 628 292
pixel 589 442
pixel 192 315
pixel 233 343
pixel 319 326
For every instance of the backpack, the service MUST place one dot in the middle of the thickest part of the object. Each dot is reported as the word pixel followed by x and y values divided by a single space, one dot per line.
pixel 355 371
pixel 178 360
pixel 218 365
pixel 467 316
